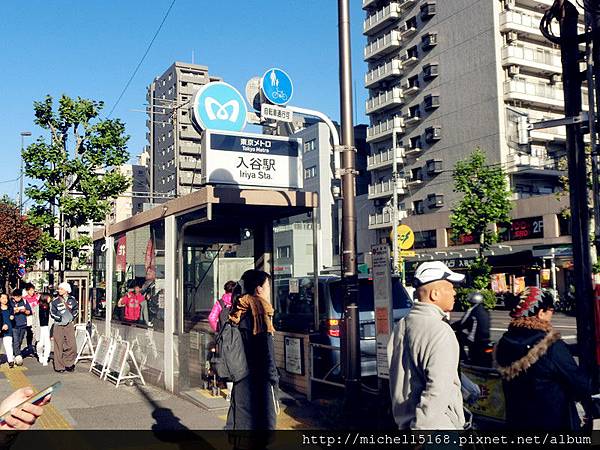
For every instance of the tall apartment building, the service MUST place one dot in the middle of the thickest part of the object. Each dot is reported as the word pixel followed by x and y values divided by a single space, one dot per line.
pixel 445 77
pixel 174 143
pixel 132 201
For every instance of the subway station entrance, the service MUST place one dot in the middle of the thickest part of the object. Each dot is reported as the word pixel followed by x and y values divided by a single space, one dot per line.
pixel 181 253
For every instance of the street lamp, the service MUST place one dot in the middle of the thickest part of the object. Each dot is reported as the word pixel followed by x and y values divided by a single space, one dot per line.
pixel 23 134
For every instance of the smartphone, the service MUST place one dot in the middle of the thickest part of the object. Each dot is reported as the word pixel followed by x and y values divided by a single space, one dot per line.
pixel 35 398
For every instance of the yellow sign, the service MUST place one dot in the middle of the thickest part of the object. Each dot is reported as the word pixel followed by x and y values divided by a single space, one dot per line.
pixel 405 236
pixel 407 253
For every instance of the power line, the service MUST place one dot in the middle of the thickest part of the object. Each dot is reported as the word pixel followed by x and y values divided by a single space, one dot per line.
pixel 143 58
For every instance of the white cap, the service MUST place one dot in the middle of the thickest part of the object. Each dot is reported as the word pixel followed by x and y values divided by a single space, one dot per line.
pixel 434 271
pixel 66 286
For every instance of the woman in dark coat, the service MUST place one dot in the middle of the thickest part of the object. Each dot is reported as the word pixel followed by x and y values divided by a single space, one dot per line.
pixel 541 379
pixel 254 398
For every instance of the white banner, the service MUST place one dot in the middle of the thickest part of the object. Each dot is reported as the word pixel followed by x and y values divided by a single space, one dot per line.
pixel 382 287
pixel 255 160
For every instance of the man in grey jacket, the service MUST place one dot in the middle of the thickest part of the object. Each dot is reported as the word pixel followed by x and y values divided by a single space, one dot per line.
pixel 423 355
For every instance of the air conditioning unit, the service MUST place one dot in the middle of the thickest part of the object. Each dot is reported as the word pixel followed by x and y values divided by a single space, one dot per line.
pixel 513 70
pixel 511 36
pixel 555 78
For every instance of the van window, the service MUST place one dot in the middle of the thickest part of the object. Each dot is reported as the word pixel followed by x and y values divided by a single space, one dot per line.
pixel 365 291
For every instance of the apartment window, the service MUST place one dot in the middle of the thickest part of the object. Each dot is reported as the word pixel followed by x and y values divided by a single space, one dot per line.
pixel 430 40
pixel 430 71
pixel 434 166
pixel 170 133
pixel 435 200
pixel 413 82
pixel 433 134
pixel 415 142
pixel 183 83
pixel 414 112
pixel 310 172
pixel 416 174
pixel 418 207
pixel 170 76
pixel 284 252
pixel 309 145
pixel 431 101
pixel 411 23
pixel 412 52
pixel 184 113
pixel 425 239
pixel 428 10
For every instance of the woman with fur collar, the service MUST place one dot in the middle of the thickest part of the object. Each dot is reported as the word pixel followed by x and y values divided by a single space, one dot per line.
pixel 541 379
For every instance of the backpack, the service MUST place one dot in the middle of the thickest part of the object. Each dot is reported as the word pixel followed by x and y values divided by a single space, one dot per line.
pixel 229 358
pixel 223 315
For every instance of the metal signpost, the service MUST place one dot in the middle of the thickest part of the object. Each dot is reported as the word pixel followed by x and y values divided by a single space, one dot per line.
pixel 403 238
pixel 251 159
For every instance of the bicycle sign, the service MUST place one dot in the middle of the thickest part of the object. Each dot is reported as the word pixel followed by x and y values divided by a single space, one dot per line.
pixel 277 86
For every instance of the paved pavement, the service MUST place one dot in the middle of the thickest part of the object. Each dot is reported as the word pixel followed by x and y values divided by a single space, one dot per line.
pixel 84 402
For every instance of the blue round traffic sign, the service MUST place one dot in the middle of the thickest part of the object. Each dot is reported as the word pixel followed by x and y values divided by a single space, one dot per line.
pixel 220 106
pixel 277 86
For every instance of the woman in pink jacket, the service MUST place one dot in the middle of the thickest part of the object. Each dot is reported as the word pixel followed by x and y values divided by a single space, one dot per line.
pixel 213 318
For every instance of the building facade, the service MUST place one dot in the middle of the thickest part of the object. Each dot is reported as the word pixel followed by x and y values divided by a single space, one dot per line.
pixel 174 143
pixel 132 201
pixel 445 78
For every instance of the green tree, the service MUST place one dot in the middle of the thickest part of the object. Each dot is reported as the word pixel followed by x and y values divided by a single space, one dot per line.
pixel 486 201
pixel 75 168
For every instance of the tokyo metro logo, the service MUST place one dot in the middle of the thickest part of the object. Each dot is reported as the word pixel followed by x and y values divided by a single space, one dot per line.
pixel 219 106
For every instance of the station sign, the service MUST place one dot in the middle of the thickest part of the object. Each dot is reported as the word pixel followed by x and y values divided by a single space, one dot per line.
pixel 255 160
pixel 219 106
pixel 277 86
pixel 382 296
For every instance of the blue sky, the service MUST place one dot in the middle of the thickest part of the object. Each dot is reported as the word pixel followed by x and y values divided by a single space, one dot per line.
pixel 91 48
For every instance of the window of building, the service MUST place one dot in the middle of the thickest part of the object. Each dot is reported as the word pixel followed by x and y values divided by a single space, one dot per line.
pixel 413 81
pixel 184 83
pixel 310 145
pixel 414 112
pixel 433 133
pixel 411 23
pixel 425 239
pixel 412 52
pixel 418 207
pixel 284 252
pixel 310 172
pixel 430 71
pixel 429 40
pixel 415 142
pixel 431 101
pixel 416 174
pixel 428 10
pixel 435 200
pixel 434 166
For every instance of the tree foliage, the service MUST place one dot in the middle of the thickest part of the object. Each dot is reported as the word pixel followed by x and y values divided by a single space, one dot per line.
pixel 75 168
pixel 485 202
pixel 18 237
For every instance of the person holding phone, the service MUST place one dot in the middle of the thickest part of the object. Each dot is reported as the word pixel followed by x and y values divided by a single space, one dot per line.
pixel 18 413
pixel 21 311
pixel 64 309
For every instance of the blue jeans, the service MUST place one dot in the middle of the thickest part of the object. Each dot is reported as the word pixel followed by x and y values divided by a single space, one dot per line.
pixel 18 335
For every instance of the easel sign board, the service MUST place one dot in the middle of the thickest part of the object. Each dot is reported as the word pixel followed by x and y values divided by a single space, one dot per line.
pixel 121 363
pixel 119 355
pixel 101 356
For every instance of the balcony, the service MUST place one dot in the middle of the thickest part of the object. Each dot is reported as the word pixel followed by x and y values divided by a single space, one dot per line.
pixel 409 59
pixel 526 164
pixel 189 133
pixel 405 4
pixel 383 72
pixel 532 58
pixel 367 3
pixel 385 158
pixel 410 87
pixel 407 30
pixel 387 99
pixel 526 23
pixel 384 219
pixel 190 164
pixel 537 94
pixel 382 18
pixel 384 45
pixel 384 130
pixel 412 117
pixel 385 189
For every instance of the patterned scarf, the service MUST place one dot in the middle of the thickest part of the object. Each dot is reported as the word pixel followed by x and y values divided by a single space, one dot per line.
pixel 262 312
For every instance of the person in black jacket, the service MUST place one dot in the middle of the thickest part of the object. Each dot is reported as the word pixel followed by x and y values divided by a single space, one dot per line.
pixel 254 398
pixel 541 379
pixel 473 332
pixel 44 345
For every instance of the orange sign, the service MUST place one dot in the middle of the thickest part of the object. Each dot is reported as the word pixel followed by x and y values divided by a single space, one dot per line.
pixel 382 321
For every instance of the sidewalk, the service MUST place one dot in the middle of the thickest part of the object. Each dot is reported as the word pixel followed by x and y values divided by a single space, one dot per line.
pixel 84 402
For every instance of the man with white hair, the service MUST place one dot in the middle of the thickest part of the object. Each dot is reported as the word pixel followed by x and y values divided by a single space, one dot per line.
pixel 64 310
pixel 423 356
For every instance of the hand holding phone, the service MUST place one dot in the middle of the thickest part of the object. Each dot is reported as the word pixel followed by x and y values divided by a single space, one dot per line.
pixel 10 412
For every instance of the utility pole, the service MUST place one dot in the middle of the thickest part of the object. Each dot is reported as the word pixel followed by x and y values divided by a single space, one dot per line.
pixel 23 134
pixel 578 193
pixel 350 328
